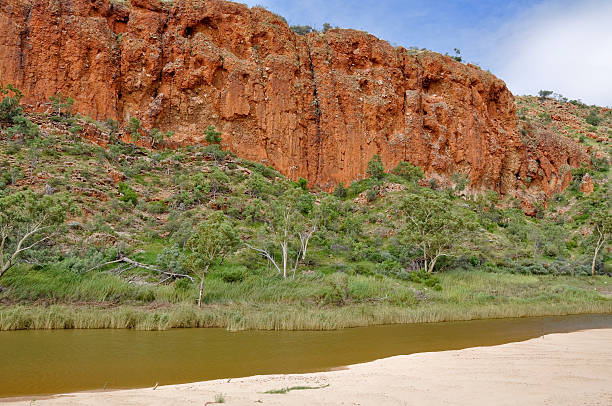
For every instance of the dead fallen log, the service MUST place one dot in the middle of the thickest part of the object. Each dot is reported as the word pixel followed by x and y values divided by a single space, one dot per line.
pixel 134 264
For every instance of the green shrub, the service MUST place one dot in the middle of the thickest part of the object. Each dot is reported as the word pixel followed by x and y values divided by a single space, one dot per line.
pixel 23 126
pixel 158 137
pixel 133 128
pixel 545 117
pixel 355 188
pixel 340 291
pixel 11 114
pixel 376 169
pixel 531 268
pixel 305 203
pixel 577 103
pixel 388 267
pixel 62 105
pixel 215 152
pixel 363 251
pixel 544 94
pixel 229 273
pixel 212 136
pixel 157 207
pixel 303 184
pixel 128 194
pixel 264 170
pixel 425 278
pixel 171 259
pixel 302 29
pixel 340 191
pixel 593 119
pixel 364 269
pixel 460 180
pixel 408 171
pixel 9 106
pixel 182 285
pixel 457 55
pixel 371 194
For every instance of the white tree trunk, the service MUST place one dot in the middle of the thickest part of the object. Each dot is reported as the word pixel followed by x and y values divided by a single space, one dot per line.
pixel 432 263
pixel 201 292
pixel 267 255
pixel 8 264
pixel 285 249
pixel 600 242
pixel 304 239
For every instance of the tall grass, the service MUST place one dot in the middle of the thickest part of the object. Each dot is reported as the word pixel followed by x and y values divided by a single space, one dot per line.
pixel 264 301
pixel 57 285
pixel 272 317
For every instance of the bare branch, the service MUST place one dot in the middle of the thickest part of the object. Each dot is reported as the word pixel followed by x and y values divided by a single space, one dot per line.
pixel 32 245
pixel 135 264
pixel 104 264
pixel 267 255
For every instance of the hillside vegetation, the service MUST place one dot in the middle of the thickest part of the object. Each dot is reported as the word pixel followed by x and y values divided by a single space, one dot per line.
pixel 136 237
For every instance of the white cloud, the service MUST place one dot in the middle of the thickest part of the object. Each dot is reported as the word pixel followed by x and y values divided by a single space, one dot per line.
pixel 561 46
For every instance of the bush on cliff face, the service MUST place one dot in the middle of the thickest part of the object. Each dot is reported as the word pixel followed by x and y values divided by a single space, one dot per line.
pixel 340 191
pixel 11 114
pixel 545 94
pixel 212 136
pixel 302 29
pixel 376 169
pixel 593 119
pixel 408 171
pixel 133 129
pixel 371 194
pixel 158 137
pixel 9 106
pixel 62 105
pixel 128 194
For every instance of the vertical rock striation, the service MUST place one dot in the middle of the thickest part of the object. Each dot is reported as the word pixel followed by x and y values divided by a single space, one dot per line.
pixel 315 106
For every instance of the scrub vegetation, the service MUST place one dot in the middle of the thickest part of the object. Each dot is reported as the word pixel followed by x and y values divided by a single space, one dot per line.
pixel 127 237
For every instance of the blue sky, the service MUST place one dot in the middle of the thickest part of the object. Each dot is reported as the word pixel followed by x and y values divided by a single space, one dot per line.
pixel 561 45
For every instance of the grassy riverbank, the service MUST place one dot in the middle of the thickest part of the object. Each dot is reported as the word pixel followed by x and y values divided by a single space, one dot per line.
pixel 325 303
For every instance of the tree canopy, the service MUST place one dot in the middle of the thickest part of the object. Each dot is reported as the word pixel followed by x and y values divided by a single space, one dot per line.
pixel 27 220
pixel 432 225
pixel 213 240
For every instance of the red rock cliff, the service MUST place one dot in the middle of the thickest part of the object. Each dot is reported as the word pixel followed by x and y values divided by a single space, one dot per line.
pixel 316 106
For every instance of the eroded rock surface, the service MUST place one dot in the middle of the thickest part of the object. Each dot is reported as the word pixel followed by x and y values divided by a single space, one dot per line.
pixel 315 106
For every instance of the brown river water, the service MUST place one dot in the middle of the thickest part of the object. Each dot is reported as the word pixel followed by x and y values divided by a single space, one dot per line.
pixel 48 362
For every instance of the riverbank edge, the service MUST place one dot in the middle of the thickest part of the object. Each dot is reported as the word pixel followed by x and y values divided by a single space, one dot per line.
pixel 270 316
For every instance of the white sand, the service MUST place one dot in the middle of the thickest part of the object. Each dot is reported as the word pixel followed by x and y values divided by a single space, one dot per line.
pixel 557 369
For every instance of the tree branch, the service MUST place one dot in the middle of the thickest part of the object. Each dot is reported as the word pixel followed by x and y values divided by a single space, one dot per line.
pixel 144 266
pixel 267 255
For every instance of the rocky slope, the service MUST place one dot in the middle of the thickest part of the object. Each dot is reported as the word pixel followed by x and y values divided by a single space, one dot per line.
pixel 315 106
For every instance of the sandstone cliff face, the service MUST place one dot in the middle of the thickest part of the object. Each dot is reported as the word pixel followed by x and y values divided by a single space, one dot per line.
pixel 316 106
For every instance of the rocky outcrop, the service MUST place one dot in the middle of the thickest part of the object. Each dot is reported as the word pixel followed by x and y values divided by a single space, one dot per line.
pixel 315 106
pixel 587 186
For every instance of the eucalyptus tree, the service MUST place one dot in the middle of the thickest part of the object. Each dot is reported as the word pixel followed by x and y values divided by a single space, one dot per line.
pixel 602 232
pixel 158 137
pixel 290 223
pixel 433 226
pixel 26 221
pixel 214 239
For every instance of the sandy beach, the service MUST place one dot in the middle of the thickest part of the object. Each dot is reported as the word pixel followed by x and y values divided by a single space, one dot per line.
pixel 557 369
